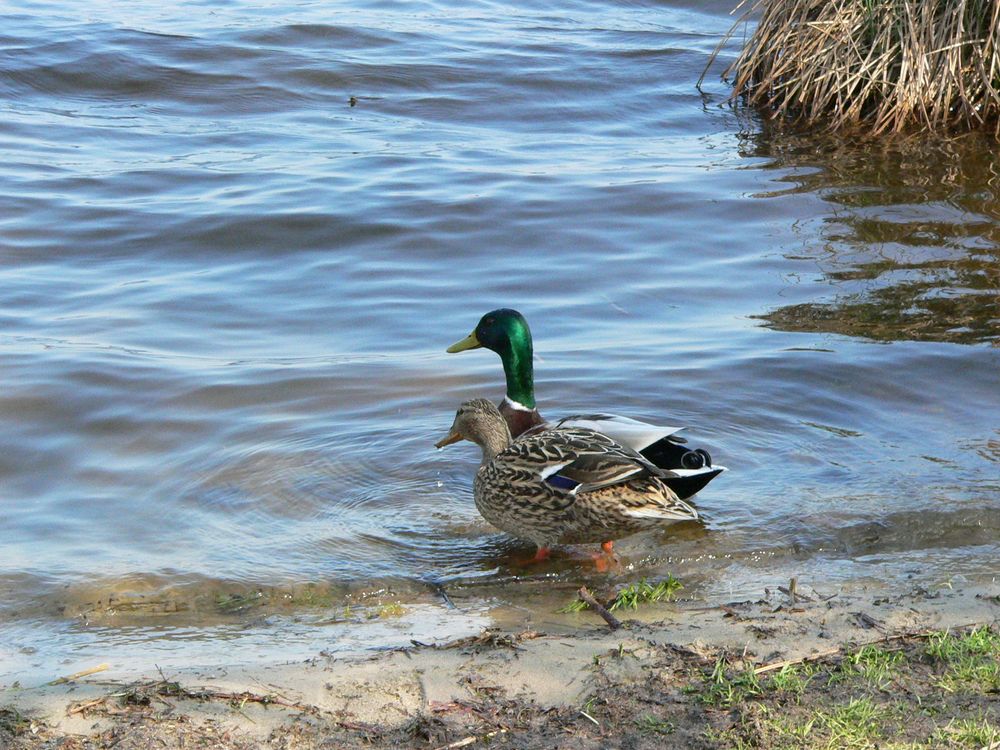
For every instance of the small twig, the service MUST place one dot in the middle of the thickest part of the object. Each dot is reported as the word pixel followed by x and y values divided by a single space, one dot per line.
pixel 84 706
pixel 264 700
pixel 867 621
pixel 790 662
pixel 275 690
pixel 77 675
pixel 438 589
pixel 156 690
pixel 465 742
pixel 793 593
pixel 459 743
pixel 600 609
pixel 585 715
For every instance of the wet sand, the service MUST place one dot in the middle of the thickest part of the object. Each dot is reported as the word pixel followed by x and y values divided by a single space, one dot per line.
pixel 498 689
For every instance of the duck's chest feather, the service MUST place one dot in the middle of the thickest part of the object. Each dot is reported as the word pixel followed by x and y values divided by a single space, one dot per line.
pixel 532 510
pixel 519 418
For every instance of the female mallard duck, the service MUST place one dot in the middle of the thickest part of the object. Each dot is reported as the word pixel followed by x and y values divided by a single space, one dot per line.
pixel 563 485
pixel 506 332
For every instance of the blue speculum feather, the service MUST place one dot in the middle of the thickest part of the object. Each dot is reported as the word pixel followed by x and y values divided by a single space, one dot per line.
pixel 563 483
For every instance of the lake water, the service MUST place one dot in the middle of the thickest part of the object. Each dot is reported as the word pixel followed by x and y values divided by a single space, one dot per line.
pixel 236 238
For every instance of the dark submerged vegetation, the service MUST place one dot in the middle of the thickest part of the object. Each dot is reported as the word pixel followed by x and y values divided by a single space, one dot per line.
pixel 909 246
pixel 881 65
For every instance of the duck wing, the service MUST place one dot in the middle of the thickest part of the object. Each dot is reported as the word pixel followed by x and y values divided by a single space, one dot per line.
pixel 633 484
pixel 560 468
pixel 593 471
pixel 582 460
pixel 624 430
pixel 570 458
pixel 687 470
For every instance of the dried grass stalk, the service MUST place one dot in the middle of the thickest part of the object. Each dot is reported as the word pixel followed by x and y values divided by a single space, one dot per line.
pixel 887 65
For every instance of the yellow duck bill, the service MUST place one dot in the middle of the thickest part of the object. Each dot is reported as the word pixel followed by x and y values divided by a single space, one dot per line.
pixel 469 342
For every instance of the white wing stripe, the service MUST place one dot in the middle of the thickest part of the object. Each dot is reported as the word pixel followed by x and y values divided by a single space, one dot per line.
pixel 548 471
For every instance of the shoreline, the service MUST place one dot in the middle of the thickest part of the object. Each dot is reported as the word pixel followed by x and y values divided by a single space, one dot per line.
pixel 439 693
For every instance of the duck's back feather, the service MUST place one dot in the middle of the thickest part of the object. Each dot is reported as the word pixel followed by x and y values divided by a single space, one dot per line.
pixel 574 485
pixel 624 430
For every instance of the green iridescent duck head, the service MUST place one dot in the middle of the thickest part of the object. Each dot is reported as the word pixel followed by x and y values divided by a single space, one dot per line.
pixel 506 332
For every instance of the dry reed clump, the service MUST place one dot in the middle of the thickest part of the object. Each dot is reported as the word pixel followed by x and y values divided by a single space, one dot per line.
pixel 886 65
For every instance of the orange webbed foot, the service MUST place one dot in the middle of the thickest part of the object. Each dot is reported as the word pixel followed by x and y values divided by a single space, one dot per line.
pixel 541 555
pixel 606 558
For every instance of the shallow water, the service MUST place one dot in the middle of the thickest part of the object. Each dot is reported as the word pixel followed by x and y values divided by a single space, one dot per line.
pixel 226 288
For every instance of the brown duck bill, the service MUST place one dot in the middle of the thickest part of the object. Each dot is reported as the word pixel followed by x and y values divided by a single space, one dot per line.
pixel 453 437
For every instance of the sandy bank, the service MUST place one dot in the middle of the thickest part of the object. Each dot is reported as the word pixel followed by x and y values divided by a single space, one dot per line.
pixel 527 689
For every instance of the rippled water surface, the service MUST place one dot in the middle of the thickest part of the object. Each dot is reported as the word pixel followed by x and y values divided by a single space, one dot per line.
pixel 235 240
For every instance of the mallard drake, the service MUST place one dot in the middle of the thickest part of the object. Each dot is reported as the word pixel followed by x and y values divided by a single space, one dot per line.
pixel 563 485
pixel 506 332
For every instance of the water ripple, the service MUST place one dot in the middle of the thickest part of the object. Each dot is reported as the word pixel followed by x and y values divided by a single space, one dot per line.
pixel 236 243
